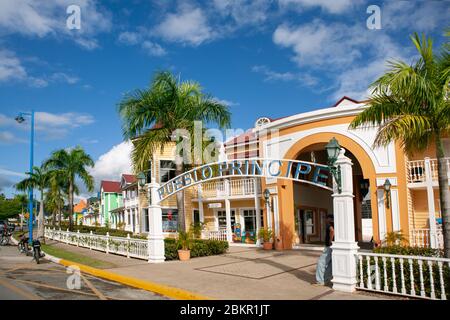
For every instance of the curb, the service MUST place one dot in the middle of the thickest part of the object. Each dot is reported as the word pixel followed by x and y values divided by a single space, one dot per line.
pixel 171 292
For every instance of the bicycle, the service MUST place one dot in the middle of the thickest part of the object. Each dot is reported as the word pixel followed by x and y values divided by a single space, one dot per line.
pixel 5 237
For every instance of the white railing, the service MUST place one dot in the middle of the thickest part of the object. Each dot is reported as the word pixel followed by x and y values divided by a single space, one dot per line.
pixel 412 276
pixel 215 235
pixel 238 187
pixel 128 247
pixel 416 170
pixel 421 238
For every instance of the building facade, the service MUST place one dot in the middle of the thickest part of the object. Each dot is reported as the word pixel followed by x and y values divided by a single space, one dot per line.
pixel 110 199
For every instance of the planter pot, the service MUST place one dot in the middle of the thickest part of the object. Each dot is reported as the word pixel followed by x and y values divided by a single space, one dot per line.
pixel 278 244
pixel 267 246
pixel 184 255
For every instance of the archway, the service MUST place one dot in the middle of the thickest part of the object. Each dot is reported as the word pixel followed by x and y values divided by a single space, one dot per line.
pixel 300 205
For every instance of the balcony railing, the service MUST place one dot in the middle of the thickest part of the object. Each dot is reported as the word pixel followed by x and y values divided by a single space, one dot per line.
pixel 237 187
pixel 416 170
pixel 422 238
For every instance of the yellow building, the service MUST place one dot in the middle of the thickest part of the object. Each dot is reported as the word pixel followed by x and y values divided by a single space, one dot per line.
pixel 296 211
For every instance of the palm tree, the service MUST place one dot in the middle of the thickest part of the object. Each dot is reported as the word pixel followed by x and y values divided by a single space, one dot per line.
pixel 72 164
pixel 150 117
pixel 410 104
pixel 38 179
pixel 55 194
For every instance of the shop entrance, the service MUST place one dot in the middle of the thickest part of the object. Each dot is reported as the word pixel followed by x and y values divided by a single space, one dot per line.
pixel 313 204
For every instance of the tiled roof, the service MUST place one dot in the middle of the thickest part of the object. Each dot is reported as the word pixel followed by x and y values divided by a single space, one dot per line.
pixel 129 178
pixel 110 186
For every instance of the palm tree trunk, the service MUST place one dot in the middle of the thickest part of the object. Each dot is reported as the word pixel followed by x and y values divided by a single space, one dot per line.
pixel 70 205
pixel 40 231
pixel 444 194
pixel 54 218
pixel 180 201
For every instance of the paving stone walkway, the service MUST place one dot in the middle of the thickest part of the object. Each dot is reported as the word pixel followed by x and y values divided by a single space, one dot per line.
pixel 242 273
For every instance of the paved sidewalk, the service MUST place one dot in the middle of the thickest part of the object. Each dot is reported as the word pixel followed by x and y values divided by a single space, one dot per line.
pixel 242 273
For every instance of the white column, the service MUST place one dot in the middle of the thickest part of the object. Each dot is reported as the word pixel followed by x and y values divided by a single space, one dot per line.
pixel 138 221
pixel 431 208
pixel 200 203
pixel 257 208
pixel 344 247
pixel 276 216
pixel 155 236
pixel 269 214
pixel 132 220
pixel 228 211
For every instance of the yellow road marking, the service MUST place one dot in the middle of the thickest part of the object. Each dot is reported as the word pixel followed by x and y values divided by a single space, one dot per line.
pixel 164 290
pixel 93 288
pixel 18 290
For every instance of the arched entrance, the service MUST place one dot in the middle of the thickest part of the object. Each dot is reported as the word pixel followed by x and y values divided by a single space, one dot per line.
pixel 303 208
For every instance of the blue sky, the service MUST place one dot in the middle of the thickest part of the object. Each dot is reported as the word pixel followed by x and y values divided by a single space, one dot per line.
pixel 263 58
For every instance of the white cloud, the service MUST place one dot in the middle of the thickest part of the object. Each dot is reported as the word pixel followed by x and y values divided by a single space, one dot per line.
pixel 7 172
pixel 52 125
pixel 188 26
pixel 153 49
pixel 63 77
pixel 129 38
pixel 270 75
pixel 113 163
pixel 37 18
pixel 320 44
pixel 227 102
pixel 244 12
pixel 331 6
pixel 419 16
pixel 10 67
pixel 45 120
pixel 7 137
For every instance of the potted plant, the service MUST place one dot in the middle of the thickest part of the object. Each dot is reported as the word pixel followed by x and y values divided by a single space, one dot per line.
pixel 185 242
pixel 266 235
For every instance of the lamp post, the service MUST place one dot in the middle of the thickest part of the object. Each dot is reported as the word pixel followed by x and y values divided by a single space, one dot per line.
pixel 20 118
pixel 387 192
pixel 333 148
pixel 267 197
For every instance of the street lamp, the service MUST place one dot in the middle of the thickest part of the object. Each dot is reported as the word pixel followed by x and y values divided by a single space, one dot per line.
pixel 333 148
pixel 267 197
pixel 387 192
pixel 142 179
pixel 20 118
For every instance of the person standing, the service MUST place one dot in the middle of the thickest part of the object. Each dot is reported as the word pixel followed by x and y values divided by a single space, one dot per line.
pixel 324 269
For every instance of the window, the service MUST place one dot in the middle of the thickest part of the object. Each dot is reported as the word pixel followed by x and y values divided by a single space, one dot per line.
pixel 196 216
pixel 222 218
pixel 249 220
pixel 145 214
pixel 166 170
pixel 169 220
pixel 149 173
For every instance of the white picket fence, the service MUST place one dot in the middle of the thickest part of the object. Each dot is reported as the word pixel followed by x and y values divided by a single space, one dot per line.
pixel 129 247
pixel 411 276
pixel 215 235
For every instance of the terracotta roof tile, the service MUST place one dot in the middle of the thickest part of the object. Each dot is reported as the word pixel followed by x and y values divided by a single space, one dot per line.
pixel 110 186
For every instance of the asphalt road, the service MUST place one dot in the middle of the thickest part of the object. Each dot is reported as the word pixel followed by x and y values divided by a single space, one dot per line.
pixel 22 279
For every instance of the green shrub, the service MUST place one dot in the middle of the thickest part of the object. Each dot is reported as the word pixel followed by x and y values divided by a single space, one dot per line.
pixel 410 251
pixel 199 248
